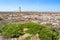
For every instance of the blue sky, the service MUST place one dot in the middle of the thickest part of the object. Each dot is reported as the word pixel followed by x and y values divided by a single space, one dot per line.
pixel 30 5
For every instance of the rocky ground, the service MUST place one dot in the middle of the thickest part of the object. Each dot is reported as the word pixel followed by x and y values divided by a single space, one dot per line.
pixel 38 17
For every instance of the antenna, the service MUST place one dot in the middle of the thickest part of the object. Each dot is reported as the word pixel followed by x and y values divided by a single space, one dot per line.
pixel 20 6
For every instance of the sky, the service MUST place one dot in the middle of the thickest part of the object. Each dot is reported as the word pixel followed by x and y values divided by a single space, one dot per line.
pixel 30 5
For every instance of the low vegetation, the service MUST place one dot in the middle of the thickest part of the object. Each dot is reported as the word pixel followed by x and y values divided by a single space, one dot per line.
pixel 12 30
pixel 16 30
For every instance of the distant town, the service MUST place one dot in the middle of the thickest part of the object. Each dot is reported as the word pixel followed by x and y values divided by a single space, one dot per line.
pixel 37 17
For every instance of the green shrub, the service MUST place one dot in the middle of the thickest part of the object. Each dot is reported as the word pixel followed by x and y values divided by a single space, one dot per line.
pixel 12 30
pixel 0 30
pixel 33 28
pixel 45 32
pixel 16 29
